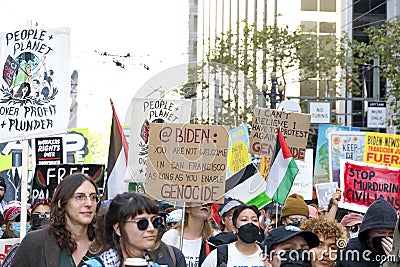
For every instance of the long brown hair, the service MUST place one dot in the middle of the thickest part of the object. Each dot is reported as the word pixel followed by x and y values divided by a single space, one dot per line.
pixel 64 192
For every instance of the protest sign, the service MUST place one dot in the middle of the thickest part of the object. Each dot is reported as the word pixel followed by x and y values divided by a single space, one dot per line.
pixel 49 151
pixel 5 245
pixel 321 165
pixel 187 162
pixel 35 87
pixel 362 183
pixel 238 149
pixel 47 177
pixel 324 193
pixel 146 111
pixel 382 149
pixel 344 145
pixel 294 126
pixel 303 182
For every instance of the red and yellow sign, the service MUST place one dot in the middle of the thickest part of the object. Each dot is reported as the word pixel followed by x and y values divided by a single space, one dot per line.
pixel 382 149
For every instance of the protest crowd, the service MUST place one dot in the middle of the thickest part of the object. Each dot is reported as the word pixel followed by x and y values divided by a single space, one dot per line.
pixel 77 228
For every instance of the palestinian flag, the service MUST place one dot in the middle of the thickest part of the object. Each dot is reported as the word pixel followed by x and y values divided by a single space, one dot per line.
pixel 117 158
pixel 282 173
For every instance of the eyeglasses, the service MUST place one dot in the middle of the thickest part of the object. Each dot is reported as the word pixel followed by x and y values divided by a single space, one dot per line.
pixel 144 223
pixel 82 198
pixel 40 216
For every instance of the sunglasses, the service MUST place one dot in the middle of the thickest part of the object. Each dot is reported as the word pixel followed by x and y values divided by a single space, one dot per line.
pixel 353 228
pixel 143 224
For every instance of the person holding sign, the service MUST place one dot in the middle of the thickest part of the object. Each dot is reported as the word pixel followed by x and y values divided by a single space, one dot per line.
pixel 245 251
pixel 375 237
pixel 69 235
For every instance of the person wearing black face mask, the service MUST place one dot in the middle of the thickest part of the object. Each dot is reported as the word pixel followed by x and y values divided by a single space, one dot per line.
pixel 245 251
pixel 375 237
pixel 40 213
pixel 289 246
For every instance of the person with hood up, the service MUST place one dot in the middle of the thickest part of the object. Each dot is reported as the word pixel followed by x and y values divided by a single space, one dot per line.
pixel 374 241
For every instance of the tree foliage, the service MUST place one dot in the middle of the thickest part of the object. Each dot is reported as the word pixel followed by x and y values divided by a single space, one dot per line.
pixel 383 44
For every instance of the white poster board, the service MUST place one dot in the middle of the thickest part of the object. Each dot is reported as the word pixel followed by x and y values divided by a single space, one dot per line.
pixel 303 183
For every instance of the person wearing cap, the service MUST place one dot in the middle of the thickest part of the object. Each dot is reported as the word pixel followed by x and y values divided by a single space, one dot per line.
pixel 173 218
pixel 287 245
pixel 40 213
pixel 12 219
pixel 245 251
pixel 374 241
pixel 352 222
pixel 294 211
pixel 330 233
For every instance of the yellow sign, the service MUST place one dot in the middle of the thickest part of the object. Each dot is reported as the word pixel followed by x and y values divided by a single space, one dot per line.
pixel 382 149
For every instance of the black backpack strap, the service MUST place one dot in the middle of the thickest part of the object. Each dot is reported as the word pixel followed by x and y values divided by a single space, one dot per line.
pixel 222 255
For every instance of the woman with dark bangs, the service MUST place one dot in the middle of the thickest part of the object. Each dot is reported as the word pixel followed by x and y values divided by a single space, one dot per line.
pixel 70 233
pixel 130 229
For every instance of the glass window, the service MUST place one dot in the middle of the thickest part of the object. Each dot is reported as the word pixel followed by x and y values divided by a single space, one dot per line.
pixel 327 27
pixel 308 5
pixel 309 26
pixel 328 5
pixel 308 88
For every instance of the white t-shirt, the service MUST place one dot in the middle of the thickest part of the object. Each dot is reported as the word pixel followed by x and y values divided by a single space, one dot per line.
pixel 190 248
pixel 235 258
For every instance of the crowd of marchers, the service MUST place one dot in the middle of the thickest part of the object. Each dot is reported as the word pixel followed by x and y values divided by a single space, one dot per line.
pixel 76 229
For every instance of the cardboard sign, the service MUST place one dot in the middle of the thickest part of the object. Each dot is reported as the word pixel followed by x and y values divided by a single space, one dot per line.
pixel 238 149
pixel 49 151
pixel 294 126
pixel 344 145
pixel 362 183
pixel 325 192
pixel 187 162
pixel 382 149
pixel 146 111
pixel 47 177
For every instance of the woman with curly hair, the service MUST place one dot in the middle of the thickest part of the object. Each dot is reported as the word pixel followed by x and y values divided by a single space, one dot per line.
pixel 329 234
pixel 68 237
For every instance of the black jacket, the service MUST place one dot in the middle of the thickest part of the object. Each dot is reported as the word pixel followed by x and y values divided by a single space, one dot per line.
pixel 357 253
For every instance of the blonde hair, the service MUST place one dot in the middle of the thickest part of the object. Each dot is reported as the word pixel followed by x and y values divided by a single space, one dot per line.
pixel 206 230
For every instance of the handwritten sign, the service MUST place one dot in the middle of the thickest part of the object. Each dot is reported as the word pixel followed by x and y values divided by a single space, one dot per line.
pixel 294 126
pixel 35 88
pixel 320 112
pixel 49 151
pixel 47 177
pixel 238 149
pixel 382 149
pixel 376 115
pixel 146 111
pixel 362 183
pixel 344 145
pixel 187 162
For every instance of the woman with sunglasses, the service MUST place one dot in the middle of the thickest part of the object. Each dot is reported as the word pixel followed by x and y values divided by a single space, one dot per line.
pixel 130 229
pixel 66 240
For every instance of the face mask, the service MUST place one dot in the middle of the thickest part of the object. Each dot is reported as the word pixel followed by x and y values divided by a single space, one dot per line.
pixel 248 233
pixel 353 234
pixel 295 258
pixel 36 223
pixel 377 244
pixel 267 222
pixel 16 227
